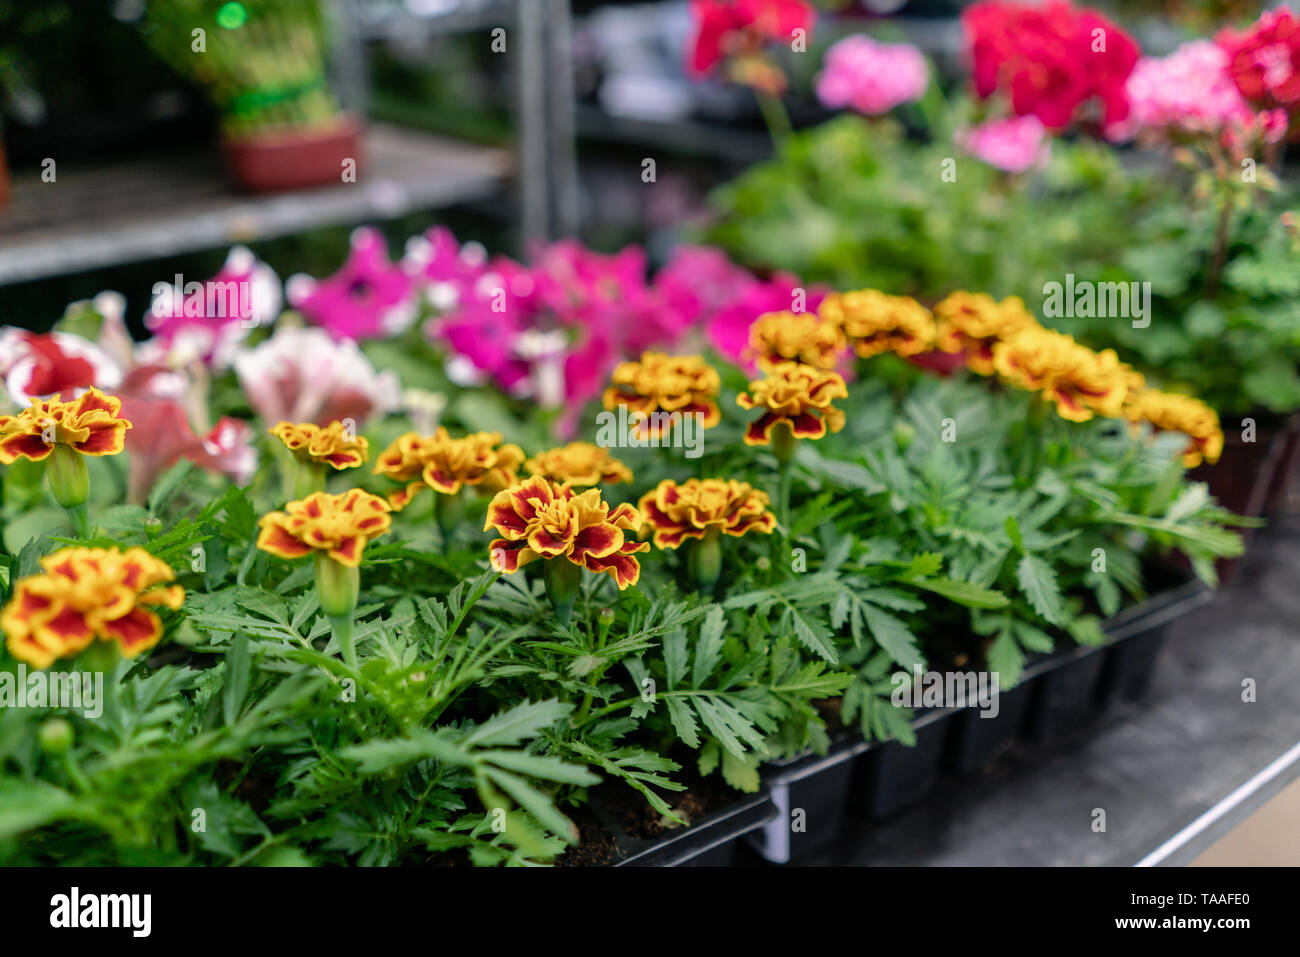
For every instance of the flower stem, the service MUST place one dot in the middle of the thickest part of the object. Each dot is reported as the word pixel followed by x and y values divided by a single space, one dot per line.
pixel 308 477
pixel 79 517
pixel 775 116
pixel 705 560
pixel 343 631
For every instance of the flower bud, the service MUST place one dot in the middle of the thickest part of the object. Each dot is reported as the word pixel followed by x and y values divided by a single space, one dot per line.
pixel 55 736
pixel 604 620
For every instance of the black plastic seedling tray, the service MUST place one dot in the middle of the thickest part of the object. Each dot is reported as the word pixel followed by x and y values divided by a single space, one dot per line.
pixel 709 842
pixel 809 793
pixel 1057 693
pixel 891 777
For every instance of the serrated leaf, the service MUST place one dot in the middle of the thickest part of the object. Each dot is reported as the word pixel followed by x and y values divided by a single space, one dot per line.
pixel 521 722
pixel 683 721
pixel 1038 582
pixel 894 637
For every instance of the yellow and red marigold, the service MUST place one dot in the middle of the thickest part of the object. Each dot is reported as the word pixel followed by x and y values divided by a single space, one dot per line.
pixel 696 506
pixel 874 322
pixel 1078 381
pixel 795 337
pixel 541 519
pixel 88 424
pixel 580 464
pixel 331 444
pixel 447 465
pixel 336 525
pixel 88 593
pixel 1169 412
pixel 660 383
pixel 797 395
pixel 973 323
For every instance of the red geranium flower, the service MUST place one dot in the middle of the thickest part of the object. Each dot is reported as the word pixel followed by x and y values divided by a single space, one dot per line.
pixel 1049 59
pixel 725 28
pixel 1264 60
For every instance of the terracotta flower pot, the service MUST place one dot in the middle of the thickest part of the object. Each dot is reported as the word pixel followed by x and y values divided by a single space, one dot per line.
pixel 295 158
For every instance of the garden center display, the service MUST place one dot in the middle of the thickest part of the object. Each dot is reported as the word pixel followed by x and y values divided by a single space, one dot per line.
pixel 910 448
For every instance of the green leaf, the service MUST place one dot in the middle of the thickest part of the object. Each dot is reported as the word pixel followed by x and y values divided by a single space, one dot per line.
pixel 1038 582
pixel 683 721
pixel 170 483
pixel 814 636
pixel 963 593
pixel 708 649
pixel 521 722
pixel 894 637
pixel 237 678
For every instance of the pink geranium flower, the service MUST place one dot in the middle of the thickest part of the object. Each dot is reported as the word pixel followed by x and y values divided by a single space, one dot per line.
pixel 871 77
pixel 206 321
pixel 1012 145
pixel 1191 93
pixel 302 375
pixel 368 297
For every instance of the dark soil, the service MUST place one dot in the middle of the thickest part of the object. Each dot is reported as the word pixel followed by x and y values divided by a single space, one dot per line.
pixel 615 805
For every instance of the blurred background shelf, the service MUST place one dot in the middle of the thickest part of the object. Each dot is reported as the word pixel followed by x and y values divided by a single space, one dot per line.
pixel 146 209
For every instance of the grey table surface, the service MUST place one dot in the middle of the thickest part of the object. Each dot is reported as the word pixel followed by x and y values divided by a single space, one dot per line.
pixel 1155 766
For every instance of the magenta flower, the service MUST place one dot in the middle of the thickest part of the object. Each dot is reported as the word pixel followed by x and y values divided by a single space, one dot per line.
pixel 368 297
pixel 1012 145
pixel 447 269
pixel 728 327
pixel 870 77
pixel 206 321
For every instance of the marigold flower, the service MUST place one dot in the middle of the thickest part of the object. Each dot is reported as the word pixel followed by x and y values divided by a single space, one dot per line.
pixel 541 519
pixel 1078 381
pixel 88 424
pixel 338 525
pixel 1169 412
pixel 973 323
pixel 661 383
pixel 796 337
pixel 797 395
pixel 327 445
pixel 88 593
pixel 446 465
pixel 693 508
pixel 579 464
pixel 874 322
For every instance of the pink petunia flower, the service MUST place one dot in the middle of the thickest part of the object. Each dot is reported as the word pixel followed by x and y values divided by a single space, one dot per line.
pixel 302 375
pixel 367 298
pixel 206 321
pixel 39 365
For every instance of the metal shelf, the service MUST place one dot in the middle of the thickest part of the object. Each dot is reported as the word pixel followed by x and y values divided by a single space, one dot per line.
pixel 97 217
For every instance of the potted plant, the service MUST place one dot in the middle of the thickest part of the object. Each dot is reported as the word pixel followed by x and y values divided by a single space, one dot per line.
pixel 262 63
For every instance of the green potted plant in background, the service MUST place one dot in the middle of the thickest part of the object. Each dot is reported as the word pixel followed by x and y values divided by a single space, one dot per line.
pixel 263 65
